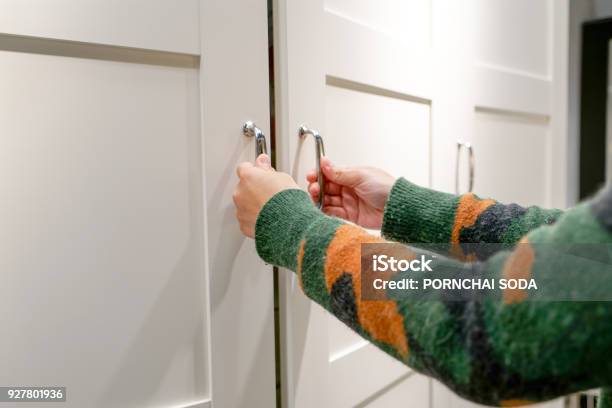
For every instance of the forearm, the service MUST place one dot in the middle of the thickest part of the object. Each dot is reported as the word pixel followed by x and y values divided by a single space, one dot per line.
pixel 462 343
pixel 415 214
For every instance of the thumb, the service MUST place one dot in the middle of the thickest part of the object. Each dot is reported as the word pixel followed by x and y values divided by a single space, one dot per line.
pixel 263 162
pixel 345 176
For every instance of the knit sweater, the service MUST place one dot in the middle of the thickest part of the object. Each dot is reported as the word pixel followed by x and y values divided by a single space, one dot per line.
pixel 505 351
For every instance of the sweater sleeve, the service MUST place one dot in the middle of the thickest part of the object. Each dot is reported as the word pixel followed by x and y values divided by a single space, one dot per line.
pixel 415 214
pixel 511 350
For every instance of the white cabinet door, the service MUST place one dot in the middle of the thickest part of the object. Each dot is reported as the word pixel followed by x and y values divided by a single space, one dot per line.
pixel 513 100
pixel 124 275
pixel 514 106
pixel 359 72
pixel 518 102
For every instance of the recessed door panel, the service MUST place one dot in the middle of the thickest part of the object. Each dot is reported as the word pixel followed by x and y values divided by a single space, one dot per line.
pixel 369 129
pixel 405 392
pixel 519 175
pixel 102 230
pixel 500 42
pixel 153 24
pixel 405 21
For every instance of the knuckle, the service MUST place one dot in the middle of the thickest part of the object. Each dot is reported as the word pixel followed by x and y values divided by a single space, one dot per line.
pixel 249 173
pixel 243 168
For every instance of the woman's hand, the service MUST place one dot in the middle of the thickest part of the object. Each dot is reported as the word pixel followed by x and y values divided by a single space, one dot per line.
pixel 356 194
pixel 258 183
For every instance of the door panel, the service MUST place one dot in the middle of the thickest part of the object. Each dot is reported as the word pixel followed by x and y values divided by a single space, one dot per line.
pixel 404 389
pixel 373 101
pixel 103 230
pixel 365 57
pixel 510 108
pixel 152 24
pixel 126 278
pixel 512 103
pixel 527 49
pixel 342 340
pixel 234 89
pixel 407 21
pixel 370 122
pixel 524 138
pixel 399 97
pixel 359 123
pixel 355 385
pixel 374 123
pixel 444 398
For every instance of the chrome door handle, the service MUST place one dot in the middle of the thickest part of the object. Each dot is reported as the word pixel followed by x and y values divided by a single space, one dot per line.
pixel 304 131
pixel 250 130
pixel 470 149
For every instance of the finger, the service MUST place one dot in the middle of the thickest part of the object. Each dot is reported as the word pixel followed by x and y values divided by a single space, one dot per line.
pixel 326 162
pixel 345 176
pixel 314 189
pixel 332 201
pixel 263 162
pixel 335 212
pixel 312 176
pixel 242 168
pixel 247 231
pixel 332 188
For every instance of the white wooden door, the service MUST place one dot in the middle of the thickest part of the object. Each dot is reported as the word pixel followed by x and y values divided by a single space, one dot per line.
pixel 518 101
pixel 513 106
pixel 124 276
pixel 359 72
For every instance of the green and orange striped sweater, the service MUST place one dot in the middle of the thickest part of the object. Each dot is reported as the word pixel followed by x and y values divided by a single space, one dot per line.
pixel 505 352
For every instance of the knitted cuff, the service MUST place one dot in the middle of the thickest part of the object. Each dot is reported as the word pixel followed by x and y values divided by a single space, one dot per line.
pixel 281 224
pixel 418 214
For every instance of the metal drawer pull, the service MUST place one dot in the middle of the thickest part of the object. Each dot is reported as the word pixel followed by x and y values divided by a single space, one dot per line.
pixel 250 130
pixel 304 131
pixel 470 149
